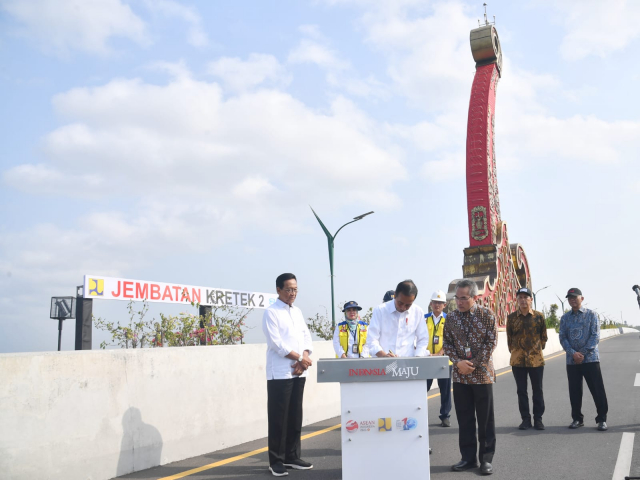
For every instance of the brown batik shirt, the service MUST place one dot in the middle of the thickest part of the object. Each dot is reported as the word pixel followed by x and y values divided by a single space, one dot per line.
pixel 478 329
pixel 526 338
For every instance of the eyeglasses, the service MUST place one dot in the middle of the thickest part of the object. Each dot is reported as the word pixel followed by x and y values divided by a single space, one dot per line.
pixel 290 290
pixel 462 299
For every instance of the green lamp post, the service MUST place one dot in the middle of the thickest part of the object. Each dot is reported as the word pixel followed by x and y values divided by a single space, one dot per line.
pixel 330 241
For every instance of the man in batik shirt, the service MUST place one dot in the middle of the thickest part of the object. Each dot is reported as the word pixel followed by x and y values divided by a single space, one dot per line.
pixel 470 337
pixel 526 338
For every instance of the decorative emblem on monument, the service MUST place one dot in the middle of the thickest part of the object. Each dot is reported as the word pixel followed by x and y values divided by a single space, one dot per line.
pixel 498 267
pixel 479 223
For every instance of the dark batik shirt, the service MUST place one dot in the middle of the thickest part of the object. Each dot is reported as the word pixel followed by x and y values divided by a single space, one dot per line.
pixel 478 329
pixel 526 338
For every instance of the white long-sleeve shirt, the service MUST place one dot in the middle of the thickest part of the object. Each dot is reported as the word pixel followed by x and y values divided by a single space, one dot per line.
pixel 397 331
pixel 338 348
pixel 286 331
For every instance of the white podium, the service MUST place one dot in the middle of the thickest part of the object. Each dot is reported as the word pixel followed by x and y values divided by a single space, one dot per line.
pixel 385 420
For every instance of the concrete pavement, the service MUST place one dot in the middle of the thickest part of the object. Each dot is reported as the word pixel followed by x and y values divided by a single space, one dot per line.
pixel 556 452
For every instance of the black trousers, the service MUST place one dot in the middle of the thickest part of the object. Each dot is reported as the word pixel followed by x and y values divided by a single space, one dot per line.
pixel 535 374
pixel 284 410
pixel 444 384
pixel 592 374
pixel 473 401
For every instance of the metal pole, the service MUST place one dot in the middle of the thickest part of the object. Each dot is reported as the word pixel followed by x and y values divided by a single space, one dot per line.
pixel 333 301
pixel 60 320
pixel 330 241
pixel 535 297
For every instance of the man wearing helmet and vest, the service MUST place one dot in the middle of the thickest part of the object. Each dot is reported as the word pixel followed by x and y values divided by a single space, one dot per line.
pixel 350 336
pixel 436 319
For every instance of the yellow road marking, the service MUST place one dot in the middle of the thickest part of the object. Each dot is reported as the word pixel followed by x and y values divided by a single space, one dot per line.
pixel 240 457
pixel 304 437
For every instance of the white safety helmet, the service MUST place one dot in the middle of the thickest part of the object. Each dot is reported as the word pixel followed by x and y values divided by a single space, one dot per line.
pixel 439 296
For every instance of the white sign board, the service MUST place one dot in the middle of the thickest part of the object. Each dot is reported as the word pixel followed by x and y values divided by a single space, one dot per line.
pixel 390 421
pixel 109 288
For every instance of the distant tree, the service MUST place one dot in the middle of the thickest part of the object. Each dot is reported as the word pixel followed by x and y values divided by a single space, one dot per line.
pixel 551 317
pixel 223 326
pixel 321 326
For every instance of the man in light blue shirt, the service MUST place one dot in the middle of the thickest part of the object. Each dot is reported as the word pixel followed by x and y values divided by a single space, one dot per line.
pixel 579 337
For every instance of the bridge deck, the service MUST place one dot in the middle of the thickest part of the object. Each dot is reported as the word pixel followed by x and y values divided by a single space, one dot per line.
pixel 557 452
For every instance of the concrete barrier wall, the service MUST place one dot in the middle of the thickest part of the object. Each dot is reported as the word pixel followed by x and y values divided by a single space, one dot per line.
pixel 99 414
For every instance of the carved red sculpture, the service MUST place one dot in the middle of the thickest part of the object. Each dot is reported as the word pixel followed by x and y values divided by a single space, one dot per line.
pixel 498 268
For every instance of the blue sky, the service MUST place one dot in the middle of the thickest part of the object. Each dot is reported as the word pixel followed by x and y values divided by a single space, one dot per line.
pixel 184 141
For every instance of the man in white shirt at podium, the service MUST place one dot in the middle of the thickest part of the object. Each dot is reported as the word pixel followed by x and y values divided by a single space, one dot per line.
pixel 397 327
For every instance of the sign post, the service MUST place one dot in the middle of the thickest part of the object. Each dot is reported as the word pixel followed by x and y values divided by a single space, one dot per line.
pixel 111 288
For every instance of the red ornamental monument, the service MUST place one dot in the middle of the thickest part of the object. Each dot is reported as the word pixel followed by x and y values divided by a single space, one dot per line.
pixel 498 267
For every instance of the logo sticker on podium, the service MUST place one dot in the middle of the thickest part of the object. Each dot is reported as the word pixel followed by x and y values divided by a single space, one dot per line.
pixel 351 426
pixel 408 423
pixel 384 424
pixel 367 425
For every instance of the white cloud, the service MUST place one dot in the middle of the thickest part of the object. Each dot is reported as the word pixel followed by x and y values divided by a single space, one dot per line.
pixel 195 168
pixel 84 25
pixel 46 180
pixel 339 73
pixel 311 51
pixel 594 27
pixel 169 8
pixel 239 75
pixel 429 60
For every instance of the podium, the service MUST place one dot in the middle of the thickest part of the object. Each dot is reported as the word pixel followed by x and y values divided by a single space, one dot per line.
pixel 385 419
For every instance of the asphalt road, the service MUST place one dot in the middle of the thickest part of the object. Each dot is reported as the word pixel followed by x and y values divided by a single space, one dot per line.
pixel 556 452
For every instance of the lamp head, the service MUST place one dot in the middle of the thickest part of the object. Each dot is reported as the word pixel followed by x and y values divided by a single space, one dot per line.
pixel 360 217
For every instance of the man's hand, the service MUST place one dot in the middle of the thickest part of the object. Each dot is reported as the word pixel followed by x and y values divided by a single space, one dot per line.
pixel 298 368
pixel 306 361
pixel 465 367
pixel 578 358
pixel 382 353
pixel 344 355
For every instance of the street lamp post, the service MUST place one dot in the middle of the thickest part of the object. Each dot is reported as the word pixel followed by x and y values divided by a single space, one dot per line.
pixel 330 241
pixel 535 304
pixel 562 302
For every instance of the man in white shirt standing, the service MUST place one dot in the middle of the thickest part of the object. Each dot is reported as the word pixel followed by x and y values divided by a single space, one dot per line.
pixel 288 350
pixel 396 326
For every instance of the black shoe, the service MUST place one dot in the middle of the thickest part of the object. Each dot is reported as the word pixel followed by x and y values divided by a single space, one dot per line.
pixel 602 426
pixel 445 422
pixel 298 464
pixel 526 424
pixel 486 468
pixel 278 470
pixel 430 451
pixel 463 465
pixel 576 424
pixel 538 425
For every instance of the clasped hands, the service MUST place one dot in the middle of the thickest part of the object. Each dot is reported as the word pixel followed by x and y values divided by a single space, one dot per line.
pixel 300 367
pixel 465 367
pixel 578 358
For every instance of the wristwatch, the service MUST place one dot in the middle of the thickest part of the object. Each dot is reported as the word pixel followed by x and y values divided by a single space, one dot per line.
pixel 300 358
